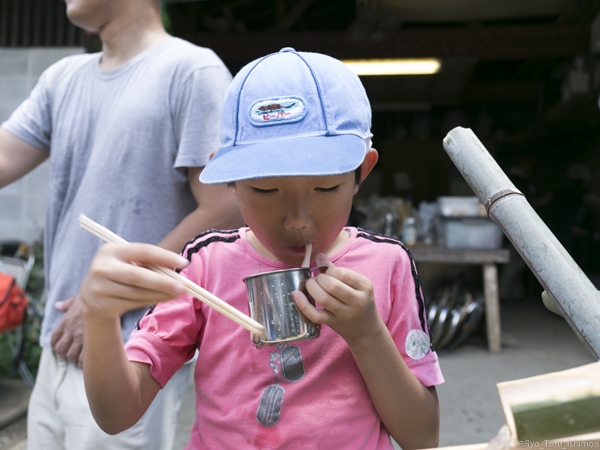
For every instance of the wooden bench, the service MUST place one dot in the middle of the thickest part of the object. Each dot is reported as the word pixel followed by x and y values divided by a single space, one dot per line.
pixel 488 258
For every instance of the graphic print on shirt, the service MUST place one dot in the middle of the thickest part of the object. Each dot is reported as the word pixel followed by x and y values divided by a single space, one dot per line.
pixel 286 363
pixel 417 344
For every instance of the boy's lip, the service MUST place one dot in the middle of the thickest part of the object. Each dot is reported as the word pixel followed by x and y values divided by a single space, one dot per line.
pixel 298 249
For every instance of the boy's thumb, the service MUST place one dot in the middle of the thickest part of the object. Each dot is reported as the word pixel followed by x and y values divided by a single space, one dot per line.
pixel 323 262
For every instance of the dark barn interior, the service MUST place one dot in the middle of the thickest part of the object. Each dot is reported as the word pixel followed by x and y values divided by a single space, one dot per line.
pixel 524 76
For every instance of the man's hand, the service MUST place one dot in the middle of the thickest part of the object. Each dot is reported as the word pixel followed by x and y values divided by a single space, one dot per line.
pixel 67 339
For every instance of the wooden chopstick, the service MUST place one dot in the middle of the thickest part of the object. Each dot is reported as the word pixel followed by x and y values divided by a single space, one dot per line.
pixel 192 288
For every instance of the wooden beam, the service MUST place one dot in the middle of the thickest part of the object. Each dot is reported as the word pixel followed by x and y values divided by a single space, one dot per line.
pixel 279 13
pixel 294 15
pixel 516 42
pixel 460 256
pixel 501 92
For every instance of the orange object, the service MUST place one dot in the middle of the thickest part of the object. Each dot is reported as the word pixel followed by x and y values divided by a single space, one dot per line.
pixel 13 303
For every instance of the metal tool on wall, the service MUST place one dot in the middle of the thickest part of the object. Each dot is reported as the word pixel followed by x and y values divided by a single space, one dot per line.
pixel 573 293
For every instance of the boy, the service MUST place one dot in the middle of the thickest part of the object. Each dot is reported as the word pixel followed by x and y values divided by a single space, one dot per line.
pixel 295 132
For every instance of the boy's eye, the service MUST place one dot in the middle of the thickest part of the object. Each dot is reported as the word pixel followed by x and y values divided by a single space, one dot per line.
pixel 264 191
pixel 329 190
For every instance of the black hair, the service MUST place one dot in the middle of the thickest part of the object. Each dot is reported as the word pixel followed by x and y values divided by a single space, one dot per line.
pixel 357 174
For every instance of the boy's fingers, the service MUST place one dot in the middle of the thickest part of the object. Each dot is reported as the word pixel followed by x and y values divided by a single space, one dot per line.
pixel 347 278
pixel 323 261
pixel 122 298
pixel 332 272
pixel 317 288
pixel 148 254
pixel 140 283
pixel 125 264
pixel 334 286
pixel 131 282
pixel 313 314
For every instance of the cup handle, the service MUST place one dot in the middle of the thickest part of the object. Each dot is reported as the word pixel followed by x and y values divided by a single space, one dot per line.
pixel 321 269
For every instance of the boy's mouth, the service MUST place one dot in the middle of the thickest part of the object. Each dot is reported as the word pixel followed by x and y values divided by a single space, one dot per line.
pixel 299 249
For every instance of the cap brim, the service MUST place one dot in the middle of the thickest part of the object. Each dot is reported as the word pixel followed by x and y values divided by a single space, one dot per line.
pixel 306 156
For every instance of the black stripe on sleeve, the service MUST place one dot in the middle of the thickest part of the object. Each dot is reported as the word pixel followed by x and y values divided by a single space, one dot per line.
pixel 203 243
pixel 413 268
pixel 149 311
pixel 204 233
pixel 190 251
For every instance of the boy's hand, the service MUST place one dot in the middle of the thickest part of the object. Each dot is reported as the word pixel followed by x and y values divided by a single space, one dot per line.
pixel 117 282
pixel 347 299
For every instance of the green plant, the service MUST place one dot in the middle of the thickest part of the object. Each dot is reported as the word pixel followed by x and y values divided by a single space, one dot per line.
pixel 166 19
pixel 29 334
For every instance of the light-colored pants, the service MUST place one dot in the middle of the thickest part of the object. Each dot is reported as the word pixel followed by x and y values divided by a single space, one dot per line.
pixel 59 416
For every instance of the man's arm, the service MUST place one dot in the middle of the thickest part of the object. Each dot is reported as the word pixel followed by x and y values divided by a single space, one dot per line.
pixel 17 157
pixel 217 208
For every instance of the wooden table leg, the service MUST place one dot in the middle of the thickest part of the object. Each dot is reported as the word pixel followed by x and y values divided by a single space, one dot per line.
pixel 492 307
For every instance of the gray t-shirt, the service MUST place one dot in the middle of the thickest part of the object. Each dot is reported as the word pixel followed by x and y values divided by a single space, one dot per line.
pixel 117 143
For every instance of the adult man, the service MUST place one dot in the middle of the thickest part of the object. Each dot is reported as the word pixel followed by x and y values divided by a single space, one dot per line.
pixel 127 132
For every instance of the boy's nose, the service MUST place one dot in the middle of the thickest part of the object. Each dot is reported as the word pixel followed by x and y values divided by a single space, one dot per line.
pixel 297 216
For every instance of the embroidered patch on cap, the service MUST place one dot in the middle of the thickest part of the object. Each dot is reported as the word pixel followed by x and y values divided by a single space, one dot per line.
pixel 417 344
pixel 277 110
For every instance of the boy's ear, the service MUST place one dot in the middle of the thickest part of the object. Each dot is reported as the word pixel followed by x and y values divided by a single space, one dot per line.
pixel 368 163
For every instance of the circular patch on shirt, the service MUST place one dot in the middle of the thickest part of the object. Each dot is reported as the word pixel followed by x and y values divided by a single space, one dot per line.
pixel 417 344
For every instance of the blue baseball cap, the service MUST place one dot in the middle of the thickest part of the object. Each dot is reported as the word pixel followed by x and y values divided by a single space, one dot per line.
pixel 291 114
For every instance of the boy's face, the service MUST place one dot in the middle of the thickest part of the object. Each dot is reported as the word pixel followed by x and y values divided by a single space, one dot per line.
pixel 286 213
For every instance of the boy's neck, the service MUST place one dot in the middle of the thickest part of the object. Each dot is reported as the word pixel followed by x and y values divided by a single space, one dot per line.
pixel 336 245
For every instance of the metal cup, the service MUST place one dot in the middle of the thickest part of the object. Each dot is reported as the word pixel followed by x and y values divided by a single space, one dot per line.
pixel 271 304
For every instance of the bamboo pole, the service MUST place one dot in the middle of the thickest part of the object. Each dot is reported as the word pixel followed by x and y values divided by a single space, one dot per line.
pixel 575 296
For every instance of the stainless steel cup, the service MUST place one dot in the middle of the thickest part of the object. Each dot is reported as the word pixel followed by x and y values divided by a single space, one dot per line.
pixel 271 304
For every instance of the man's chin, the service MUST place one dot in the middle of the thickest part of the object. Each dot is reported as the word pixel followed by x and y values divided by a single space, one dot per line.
pixel 80 19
